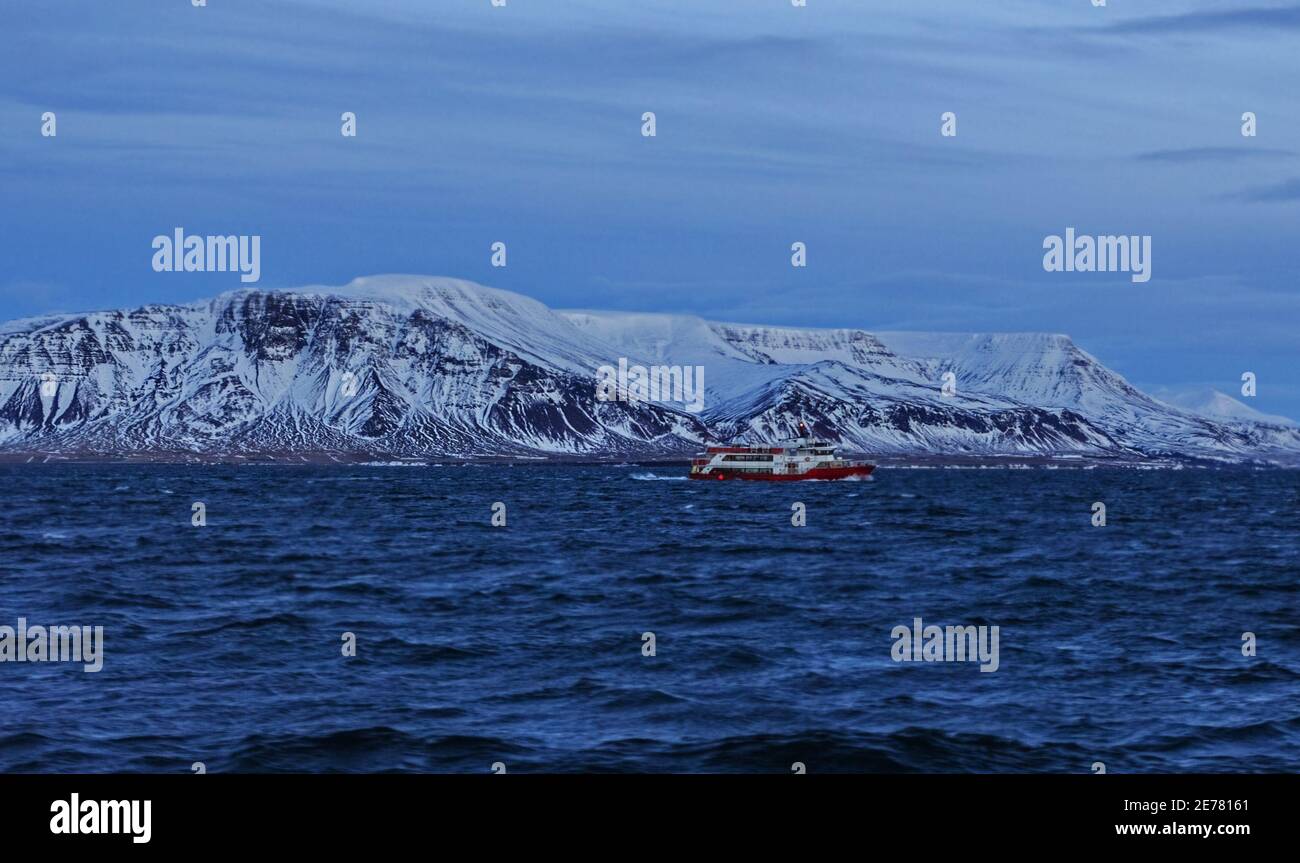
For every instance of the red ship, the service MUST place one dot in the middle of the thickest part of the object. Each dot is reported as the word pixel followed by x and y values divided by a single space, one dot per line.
pixel 802 458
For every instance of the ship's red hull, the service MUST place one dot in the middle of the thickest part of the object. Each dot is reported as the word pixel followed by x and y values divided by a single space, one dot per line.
pixel 815 473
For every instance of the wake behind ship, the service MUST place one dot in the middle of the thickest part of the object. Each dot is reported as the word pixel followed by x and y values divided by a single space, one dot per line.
pixel 801 458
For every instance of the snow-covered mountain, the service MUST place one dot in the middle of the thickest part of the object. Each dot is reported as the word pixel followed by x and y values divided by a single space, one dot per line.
pixel 885 392
pixel 1209 402
pixel 390 365
pixel 415 366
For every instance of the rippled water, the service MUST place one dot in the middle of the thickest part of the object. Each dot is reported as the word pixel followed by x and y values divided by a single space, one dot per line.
pixel 523 644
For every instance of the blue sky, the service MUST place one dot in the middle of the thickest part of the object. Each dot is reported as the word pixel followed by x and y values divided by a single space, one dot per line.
pixel 775 124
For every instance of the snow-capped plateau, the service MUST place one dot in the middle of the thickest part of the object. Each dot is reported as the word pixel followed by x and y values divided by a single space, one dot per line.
pixel 400 367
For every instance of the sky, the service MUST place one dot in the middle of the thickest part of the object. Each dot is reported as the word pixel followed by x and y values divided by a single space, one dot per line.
pixel 774 124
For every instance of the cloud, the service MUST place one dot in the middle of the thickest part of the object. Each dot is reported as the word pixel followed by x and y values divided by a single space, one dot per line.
pixel 1277 193
pixel 1214 154
pixel 1253 18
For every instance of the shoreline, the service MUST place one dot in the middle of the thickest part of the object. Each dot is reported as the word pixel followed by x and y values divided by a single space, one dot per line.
pixel 883 462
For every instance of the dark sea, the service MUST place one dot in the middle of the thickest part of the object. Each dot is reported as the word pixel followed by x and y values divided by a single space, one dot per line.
pixel 523 645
